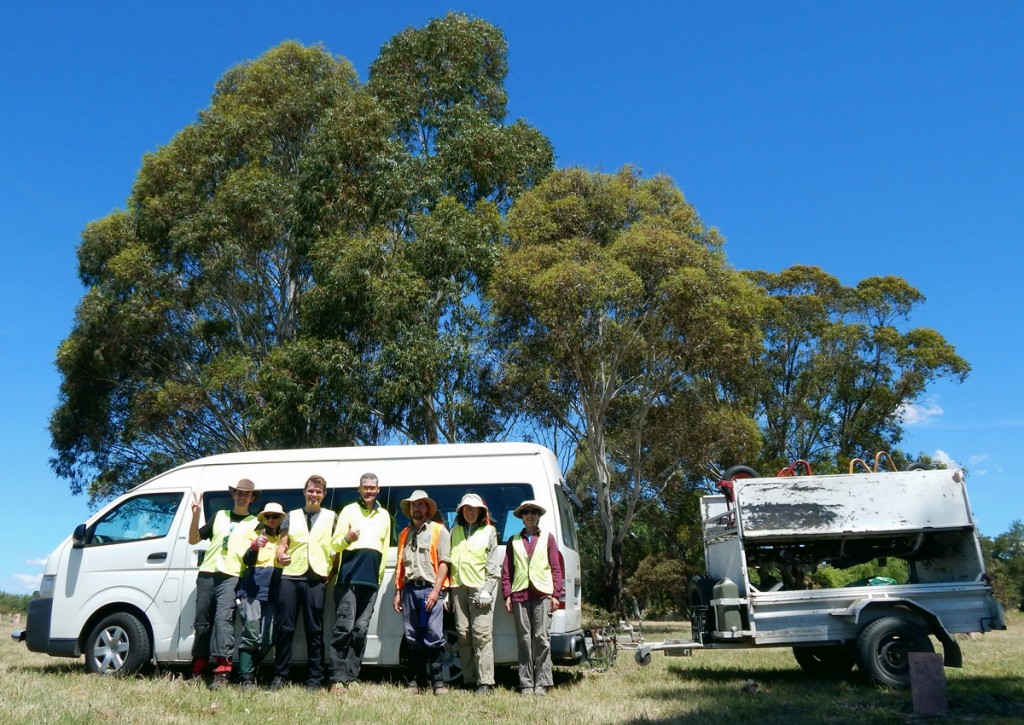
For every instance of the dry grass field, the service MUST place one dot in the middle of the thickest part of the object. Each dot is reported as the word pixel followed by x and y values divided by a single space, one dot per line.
pixel 704 688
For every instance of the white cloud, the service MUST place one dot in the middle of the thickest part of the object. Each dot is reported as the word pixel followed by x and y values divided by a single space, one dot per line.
pixel 26 583
pixel 976 459
pixel 36 562
pixel 942 457
pixel 912 413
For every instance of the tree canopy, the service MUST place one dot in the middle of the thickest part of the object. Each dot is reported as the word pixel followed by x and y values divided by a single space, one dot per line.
pixel 619 319
pixel 836 371
pixel 295 269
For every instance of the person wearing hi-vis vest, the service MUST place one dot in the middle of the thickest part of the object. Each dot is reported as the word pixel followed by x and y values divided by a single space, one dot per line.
pixel 421 574
pixel 533 587
pixel 363 536
pixel 474 576
pixel 307 557
pixel 258 592
pixel 218 579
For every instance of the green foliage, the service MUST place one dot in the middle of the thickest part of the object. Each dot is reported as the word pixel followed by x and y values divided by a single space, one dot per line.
pixel 296 269
pixel 1004 560
pixel 11 603
pixel 892 568
pixel 659 584
pixel 836 372
pixel 619 320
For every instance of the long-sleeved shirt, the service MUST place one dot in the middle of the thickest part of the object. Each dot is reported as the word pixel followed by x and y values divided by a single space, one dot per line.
pixel 508 570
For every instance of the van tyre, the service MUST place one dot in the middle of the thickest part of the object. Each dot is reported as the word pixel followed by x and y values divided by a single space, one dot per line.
pixel 884 647
pixel 825 661
pixel 118 645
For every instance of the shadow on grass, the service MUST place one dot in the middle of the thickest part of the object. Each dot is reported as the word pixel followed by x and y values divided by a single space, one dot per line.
pixel 792 697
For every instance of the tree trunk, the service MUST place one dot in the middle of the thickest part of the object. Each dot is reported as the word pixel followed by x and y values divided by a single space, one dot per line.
pixel 613 582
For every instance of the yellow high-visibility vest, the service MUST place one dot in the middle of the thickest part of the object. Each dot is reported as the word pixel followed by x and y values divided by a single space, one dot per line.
pixel 535 569
pixel 310 549
pixel 227 544
pixel 469 556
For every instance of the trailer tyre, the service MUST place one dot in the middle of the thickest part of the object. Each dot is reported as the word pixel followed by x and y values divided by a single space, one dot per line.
pixel 825 661
pixel 884 647
pixel 735 472
pixel 118 645
pixel 699 593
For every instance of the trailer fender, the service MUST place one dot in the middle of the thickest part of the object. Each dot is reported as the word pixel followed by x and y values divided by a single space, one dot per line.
pixel 866 611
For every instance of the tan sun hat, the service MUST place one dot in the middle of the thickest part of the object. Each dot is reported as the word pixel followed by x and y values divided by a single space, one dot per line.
pixel 473 501
pixel 418 495
pixel 245 485
pixel 271 508
pixel 528 504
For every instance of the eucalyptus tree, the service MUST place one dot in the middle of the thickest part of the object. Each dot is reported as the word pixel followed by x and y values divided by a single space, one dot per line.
pixel 620 319
pixel 840 366
pixel 408 291
pixel 192 286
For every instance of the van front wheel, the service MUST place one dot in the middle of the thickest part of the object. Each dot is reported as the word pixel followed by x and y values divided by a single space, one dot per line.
pixel 118 645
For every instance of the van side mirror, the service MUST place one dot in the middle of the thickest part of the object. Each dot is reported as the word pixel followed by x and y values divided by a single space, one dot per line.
pixel 78 538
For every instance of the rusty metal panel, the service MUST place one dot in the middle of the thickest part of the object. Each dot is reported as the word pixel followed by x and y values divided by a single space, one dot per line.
pixel 859 503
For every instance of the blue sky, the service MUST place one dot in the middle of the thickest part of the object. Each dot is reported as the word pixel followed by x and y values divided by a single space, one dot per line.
pixel 867 138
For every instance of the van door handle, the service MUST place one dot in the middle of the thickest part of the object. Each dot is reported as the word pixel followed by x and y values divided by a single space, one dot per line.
pixel 157 557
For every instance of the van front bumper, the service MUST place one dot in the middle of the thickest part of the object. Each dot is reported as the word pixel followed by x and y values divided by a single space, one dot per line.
pixel 37 632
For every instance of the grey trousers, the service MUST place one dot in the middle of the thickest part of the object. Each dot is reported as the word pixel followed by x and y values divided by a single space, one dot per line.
pixel 533 635
pixel 474 625
pixel 215 616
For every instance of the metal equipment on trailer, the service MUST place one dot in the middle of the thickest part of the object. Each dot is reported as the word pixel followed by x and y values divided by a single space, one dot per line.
pixel 763 536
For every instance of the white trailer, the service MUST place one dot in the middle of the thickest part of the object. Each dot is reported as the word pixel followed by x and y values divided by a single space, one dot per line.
pixel 777 530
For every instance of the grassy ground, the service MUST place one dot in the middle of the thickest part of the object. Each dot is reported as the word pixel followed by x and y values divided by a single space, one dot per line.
pixel 707 687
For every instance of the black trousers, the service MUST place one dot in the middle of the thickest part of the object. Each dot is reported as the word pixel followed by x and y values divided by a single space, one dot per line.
pixel 310 596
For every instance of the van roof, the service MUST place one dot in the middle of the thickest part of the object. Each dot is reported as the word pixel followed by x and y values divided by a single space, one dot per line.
pixel 368 453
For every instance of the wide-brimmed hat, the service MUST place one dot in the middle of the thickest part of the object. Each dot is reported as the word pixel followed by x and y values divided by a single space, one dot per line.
pixel 528 504
pixel 474 501
pixel 271 508
pixel 418 495
pixel 245 485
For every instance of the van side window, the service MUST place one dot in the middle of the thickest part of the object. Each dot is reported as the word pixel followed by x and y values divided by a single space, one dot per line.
pixel 289 499
pixel 566 519
pixel 142 517
pixel 501 500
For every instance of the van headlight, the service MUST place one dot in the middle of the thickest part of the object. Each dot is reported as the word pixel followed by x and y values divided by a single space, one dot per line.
pixel 46 586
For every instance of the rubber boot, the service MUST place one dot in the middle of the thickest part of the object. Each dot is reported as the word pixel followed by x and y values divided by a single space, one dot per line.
pixel 246 667
pixel 198 665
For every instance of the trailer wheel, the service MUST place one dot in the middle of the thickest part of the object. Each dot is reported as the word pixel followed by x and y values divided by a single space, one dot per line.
pixel 884 647
pixel 118 645
pixel 642 658
pixel 825 661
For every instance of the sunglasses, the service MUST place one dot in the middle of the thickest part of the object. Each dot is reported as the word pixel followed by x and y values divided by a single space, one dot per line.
pixel 272 516
pixel 531 512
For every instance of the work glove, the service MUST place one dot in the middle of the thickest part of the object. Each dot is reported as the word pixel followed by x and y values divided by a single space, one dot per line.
pixel 260 541
pixel 483 599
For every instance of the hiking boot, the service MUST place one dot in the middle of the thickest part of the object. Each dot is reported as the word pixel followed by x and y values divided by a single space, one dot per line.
pixel 539 691
pixel 219 681
pixel 482 690
pixel 440 688
pixel 276 684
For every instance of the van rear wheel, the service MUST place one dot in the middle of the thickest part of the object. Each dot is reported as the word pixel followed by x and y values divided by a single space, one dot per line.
pixel 118 645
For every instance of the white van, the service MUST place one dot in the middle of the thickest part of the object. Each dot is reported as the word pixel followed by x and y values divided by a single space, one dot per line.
pixel 121 589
